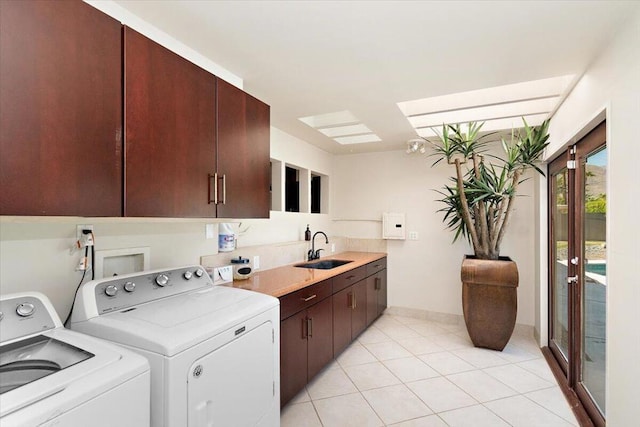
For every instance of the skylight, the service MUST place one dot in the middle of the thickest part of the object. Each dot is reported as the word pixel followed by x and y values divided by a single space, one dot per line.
pixel 342 126
pixel 500 107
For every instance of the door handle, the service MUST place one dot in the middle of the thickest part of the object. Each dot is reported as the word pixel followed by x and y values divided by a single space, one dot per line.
pixel 571 280
pixel 377 285
pixel 310 327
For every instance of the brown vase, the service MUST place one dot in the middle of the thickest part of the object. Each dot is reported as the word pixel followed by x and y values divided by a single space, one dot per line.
pixel 489 300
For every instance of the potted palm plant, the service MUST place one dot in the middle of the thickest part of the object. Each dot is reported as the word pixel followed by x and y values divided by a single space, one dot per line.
pixel 477 206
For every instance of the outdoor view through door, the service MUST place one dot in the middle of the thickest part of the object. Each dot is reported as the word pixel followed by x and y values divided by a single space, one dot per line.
pixel 578 268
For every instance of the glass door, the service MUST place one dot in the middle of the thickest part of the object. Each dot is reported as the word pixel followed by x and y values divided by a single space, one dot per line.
pixel 560 321
pixel 578 268
pixel 591 242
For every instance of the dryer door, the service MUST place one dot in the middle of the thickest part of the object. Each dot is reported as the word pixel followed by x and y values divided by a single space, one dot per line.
pixel 234 385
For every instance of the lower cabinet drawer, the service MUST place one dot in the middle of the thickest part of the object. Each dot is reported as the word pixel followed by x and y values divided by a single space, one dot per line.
pixel 375 266
pixel 305 297
pixel 348 278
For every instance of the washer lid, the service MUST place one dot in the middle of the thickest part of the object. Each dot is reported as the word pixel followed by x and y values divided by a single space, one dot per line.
pixel 88 367
pixel 23 362
pixel 172 325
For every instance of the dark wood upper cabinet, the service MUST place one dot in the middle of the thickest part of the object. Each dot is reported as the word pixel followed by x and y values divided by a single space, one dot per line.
pixel 243 154
pixel 170 125
pixel 60 110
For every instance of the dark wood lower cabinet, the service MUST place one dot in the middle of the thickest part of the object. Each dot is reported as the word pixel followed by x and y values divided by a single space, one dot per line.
pixel 305 347
pixel 349 315
pixel 342 302
pixel 320 347
pixel 293 356
pixel 311 335
pixel 376 295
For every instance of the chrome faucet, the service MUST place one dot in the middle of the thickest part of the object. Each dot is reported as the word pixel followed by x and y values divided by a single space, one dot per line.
pixel 315 254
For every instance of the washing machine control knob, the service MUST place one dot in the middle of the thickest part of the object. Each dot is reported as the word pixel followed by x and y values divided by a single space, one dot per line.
pixel 25 309
pixel 199 272
pixel 111 290
pixel 187 275
pixel 162 280
pixel 129 286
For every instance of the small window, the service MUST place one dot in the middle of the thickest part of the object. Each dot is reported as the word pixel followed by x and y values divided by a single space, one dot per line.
pixel 316 191
pixel 292 190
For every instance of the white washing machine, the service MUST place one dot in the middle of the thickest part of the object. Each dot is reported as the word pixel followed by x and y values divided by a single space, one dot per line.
pixel 214 350
pixel 51 376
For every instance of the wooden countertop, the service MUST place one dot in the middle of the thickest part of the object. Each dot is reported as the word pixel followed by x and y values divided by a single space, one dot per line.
pixel 286 279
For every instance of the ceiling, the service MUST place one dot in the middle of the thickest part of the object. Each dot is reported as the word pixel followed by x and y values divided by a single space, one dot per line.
pixel 307 58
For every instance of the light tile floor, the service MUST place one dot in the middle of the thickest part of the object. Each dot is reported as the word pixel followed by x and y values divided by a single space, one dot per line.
pixel 409 372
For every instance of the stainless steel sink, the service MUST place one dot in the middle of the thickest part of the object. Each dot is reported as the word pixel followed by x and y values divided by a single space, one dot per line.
pixel 324 265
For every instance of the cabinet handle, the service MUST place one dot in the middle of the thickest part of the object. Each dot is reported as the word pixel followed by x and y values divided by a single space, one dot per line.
pixel 352 300
pixel 305 327
pixel 215 188
pixel 349 277
pixel 378 282
pixel 224 189
pixel 309 298
pixel 310 327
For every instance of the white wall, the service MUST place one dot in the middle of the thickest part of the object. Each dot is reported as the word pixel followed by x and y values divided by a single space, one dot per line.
pixel 612 83
pixel 423 274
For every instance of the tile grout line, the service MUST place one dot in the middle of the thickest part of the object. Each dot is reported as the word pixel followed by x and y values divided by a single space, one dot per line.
pixel 450 352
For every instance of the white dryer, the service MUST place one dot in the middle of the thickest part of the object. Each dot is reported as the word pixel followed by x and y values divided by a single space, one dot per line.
pixel 214 350
pixel 51 376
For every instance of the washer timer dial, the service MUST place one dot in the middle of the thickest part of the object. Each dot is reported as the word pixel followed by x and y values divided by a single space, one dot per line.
pixel 25 309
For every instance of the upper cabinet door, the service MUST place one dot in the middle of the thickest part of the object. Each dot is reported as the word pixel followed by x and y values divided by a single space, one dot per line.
pixel 243 154
pixel 60 110
pixel 170 125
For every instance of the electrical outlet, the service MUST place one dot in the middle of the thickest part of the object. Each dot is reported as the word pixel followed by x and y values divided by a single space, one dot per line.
pixel 256 262
pixel 413 235
pixel 81 227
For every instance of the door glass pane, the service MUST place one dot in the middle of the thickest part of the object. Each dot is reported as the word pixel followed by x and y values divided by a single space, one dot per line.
pixel 594 276
pixel 561 249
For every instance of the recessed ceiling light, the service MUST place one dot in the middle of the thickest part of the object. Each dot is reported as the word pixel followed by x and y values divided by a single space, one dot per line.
pixel 357 139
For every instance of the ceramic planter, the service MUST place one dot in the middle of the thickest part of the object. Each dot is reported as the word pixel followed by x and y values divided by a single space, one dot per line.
pixel 489 300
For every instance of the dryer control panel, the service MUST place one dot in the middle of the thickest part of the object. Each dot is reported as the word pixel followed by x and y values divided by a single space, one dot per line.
pixel 122 292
